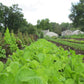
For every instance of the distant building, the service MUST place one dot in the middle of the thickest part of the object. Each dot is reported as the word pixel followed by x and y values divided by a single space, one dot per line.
pixel 48 33
pixel 69 32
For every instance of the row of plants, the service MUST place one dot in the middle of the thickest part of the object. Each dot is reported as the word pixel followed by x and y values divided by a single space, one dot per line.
pixel 74 36
pixel 10 42
pixel 73 45
pixel 74 41
pixel 42 63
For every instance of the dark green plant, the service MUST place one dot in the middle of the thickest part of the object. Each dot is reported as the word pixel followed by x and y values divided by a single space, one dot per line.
pixel 2 52
pixel 11 40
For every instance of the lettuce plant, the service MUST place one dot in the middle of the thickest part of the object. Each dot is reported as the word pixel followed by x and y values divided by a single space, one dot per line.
pixel 43 63
pixel 2 52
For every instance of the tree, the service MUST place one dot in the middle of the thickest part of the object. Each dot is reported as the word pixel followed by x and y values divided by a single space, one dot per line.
pixel 55 27
pixel 3 16
pixel 77 14
pixel 43 24
pixel 15 18
pixel 65 26
pixel 12 18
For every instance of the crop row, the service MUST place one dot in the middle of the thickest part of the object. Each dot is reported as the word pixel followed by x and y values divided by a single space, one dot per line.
pixel 74 36
pixel 42 63
pixel 74 40
pixel 10 42
pixel 73 45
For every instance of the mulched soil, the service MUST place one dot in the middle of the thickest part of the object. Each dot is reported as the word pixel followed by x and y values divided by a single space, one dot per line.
pixel 3 60
pixel 67 48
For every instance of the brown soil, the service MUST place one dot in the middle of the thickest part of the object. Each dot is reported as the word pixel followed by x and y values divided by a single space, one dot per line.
pixel 68 47
pixel 3 60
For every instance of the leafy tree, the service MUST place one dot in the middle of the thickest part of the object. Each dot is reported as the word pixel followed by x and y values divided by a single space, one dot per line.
pixel 12 17
pixel 55 27
pixel 3 16
pixel 15 19
pixel 43 24
pixel 77 14
pixel 65 26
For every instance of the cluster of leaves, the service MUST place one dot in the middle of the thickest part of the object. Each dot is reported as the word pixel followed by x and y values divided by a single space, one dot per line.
pixel 25 38
pixel 2 52
pixel 77 14
pixel 42 63
pixel 11 40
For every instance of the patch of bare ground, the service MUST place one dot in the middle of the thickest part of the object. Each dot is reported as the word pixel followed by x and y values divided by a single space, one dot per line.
pixel 3 60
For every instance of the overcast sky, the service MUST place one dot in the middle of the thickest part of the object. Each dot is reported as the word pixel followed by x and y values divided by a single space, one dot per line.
pixel 55 10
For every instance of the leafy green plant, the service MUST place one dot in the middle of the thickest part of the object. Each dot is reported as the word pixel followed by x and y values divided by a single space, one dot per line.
pixel 2 52
pixel 11 40
pixel 43 63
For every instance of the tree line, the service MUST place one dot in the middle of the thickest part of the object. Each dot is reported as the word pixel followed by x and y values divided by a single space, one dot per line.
pixel 13 18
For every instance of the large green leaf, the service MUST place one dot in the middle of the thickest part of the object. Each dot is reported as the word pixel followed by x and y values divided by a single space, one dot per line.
pixel 27 76
pixel 1 66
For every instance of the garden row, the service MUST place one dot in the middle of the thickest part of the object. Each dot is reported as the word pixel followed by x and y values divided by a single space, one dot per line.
pixel 79 48
pixel 74 41
pixel 73 45
pixel 80 36
pixel 42 63
pixel 10 42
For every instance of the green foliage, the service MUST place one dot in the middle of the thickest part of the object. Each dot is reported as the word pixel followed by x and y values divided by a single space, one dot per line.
pixel 1 66
pixel 65 26
pixel 55 27
pixel 77 14
pixel 25 38
pixel 43 24
pixel 47 37
pixel 43 63
pixel 12 18
pixel 74 36
pixel 74 41
pixel 73 45
pixel 39 33
pixel 2 52
pixel 11 40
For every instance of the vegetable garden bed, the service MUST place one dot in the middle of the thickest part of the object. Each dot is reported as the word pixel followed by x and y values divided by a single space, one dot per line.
pixel 43 63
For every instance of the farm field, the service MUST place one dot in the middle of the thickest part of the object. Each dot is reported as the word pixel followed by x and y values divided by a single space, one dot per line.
pixel 74 41
pixel 41 62
pixel 80 37
pixel 39 44
pixel 74 44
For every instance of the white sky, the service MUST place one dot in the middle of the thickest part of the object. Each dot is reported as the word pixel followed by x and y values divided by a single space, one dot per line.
pixel 55 10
